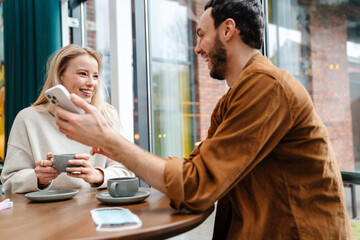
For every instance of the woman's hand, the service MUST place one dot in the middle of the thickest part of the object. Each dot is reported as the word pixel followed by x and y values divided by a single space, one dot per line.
pixel 85 170
pixel 44 171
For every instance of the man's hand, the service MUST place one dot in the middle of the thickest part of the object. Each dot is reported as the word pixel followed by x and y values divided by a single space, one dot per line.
pixel 90 128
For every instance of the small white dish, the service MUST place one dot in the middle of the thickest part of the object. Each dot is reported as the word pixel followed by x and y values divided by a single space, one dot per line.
pixel 106 198
pixel 51 195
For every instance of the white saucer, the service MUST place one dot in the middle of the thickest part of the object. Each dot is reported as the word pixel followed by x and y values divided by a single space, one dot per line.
pixel 106 198
pixel 51 195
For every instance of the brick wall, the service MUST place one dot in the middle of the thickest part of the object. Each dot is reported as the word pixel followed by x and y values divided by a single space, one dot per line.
pixel 90 23
pixel 330 81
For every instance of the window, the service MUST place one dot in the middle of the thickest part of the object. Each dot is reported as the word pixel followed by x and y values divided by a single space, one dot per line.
pixel 319 43
pixel 173 98
pixel 88 25
pixel 98 36
pixel 182 93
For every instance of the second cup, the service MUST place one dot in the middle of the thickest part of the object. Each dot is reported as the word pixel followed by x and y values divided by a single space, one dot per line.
pixel 123 187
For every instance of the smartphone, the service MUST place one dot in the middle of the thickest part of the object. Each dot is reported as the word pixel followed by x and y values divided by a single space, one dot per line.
pixel 59 96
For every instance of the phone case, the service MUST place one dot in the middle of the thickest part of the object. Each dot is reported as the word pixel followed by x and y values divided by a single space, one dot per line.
pixel 59 96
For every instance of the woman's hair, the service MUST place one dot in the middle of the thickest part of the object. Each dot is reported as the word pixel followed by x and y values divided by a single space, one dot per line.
pixel 57 65
pixel 247 14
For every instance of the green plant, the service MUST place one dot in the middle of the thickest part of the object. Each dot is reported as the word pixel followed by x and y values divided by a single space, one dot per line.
pixel 356 228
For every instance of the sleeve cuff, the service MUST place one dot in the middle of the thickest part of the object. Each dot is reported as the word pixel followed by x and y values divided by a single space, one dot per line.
pixel 173 177
pixel 104 183
pixel 43 187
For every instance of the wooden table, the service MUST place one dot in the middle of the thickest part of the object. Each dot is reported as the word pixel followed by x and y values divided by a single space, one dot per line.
pixel 71 219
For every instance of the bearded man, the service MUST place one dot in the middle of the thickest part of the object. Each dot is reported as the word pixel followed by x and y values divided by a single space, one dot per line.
pixel 267 158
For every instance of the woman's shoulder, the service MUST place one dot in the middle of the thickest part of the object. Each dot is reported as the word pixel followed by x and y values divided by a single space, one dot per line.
pixel 31 112
pixel 26 112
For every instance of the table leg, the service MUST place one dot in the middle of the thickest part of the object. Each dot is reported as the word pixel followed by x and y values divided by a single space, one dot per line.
pixel 353 201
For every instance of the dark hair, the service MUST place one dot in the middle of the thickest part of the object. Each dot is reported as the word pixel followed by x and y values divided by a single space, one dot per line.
pixel 247 14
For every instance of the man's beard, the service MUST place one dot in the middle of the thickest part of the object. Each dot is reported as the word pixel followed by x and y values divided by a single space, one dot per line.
pixel 218 58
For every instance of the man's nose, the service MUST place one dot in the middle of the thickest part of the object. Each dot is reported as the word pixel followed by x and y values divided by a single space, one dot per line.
pixel 198 48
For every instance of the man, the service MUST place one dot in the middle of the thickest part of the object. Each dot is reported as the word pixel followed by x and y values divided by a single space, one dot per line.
pixel 267 153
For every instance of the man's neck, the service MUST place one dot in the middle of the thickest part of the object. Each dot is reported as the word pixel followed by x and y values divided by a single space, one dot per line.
pixel 236 64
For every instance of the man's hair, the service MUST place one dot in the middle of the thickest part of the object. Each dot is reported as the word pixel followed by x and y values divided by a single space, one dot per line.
pixel 247 14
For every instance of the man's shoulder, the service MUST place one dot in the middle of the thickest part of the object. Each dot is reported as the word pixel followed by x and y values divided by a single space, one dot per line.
pixel 262 69
pixel 260 64
pixel 258 72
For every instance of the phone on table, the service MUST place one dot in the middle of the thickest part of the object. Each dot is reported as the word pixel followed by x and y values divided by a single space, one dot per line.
pixel 59 96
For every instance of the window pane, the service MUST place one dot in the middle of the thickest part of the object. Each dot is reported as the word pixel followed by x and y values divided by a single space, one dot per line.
pixel 171 78
pixel 169 30
pixel 319 43
pixel 183 94
pixel 172 109
pixel 97 35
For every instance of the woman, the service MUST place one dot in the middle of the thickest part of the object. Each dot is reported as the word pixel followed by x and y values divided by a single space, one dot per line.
pixel 34 136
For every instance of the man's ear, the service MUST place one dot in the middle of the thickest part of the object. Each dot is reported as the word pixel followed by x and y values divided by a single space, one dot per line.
pixel 229 29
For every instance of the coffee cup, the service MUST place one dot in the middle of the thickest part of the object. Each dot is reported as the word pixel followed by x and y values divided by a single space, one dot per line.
pixel 61 161
pixel 123 187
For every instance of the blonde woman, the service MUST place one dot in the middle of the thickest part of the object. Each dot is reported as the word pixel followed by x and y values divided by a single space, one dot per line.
pixel 34 136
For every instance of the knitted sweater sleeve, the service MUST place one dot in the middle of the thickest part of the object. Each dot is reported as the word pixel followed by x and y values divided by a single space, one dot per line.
pixel 18 174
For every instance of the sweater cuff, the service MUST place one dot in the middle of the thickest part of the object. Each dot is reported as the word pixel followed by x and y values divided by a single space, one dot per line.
pixel 103 184
pixel 43 187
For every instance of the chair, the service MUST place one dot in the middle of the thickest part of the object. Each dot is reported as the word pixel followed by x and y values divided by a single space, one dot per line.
pixel 352 178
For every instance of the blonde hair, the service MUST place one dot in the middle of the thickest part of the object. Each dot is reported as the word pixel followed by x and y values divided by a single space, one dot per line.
pixel 57 65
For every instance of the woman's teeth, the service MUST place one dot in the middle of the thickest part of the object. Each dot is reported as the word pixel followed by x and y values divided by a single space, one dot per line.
pixel 86 91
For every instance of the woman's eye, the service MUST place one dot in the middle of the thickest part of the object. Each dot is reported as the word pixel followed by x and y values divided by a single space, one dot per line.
pixel 82 74
pixel 96 76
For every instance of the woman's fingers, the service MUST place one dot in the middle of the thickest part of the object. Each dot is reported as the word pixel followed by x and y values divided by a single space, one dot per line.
pixel 44 163
pixel 86 172
pixel 46 175
pixel 82 166
pixel 84 156
pixel 49 154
